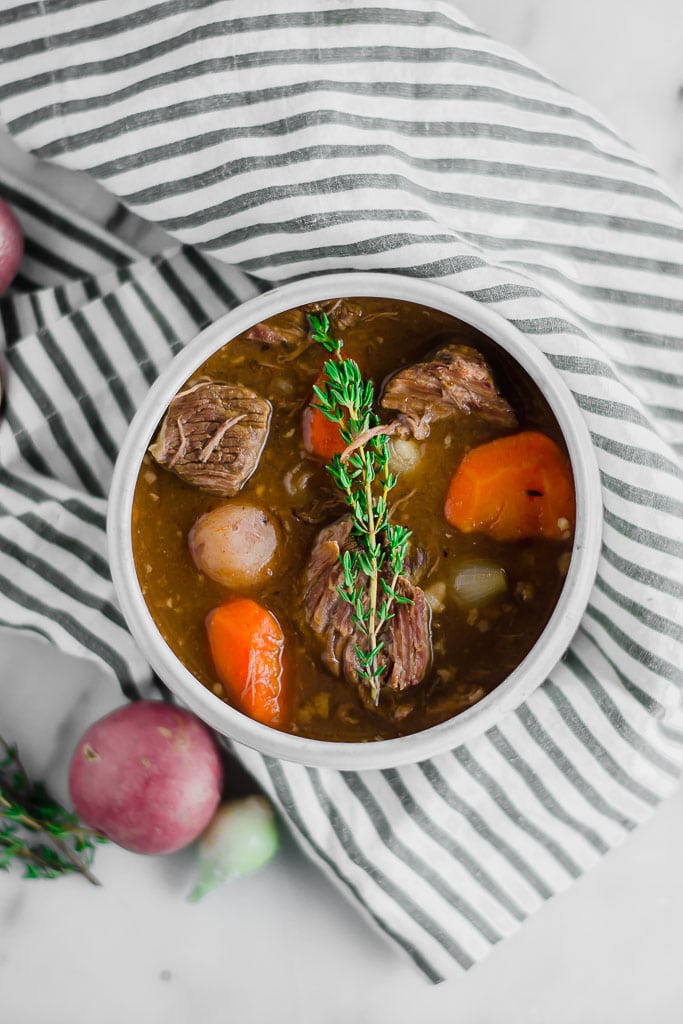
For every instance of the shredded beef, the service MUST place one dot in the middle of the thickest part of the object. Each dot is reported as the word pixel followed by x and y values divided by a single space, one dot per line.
pixel 290 328
pixel 455 379
pixel 343 313
pixel 406 636
pixel 213 435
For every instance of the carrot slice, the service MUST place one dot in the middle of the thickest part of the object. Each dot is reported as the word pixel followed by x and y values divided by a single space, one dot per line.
pixel 321 437
pixel 514 487
pixel 246 644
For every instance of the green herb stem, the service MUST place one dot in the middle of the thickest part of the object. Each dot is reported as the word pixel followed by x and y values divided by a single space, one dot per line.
pixel 362 473
pixel 27 812
pixel 17 849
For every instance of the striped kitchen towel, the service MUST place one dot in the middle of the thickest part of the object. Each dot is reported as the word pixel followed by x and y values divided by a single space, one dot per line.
pixel 238 149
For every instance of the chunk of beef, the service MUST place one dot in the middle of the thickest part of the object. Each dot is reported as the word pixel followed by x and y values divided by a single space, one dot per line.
pixel 406 636
pixel 343 313
pixel 288 329
pixel 455 379
pixel 291 330
pixel 319 509
pixel 212 435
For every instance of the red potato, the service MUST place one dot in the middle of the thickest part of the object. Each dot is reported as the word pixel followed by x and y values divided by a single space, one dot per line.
pixel 11 246
pixel 148 775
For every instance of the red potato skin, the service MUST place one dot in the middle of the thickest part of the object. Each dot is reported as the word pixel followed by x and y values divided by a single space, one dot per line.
pixel 148 775
pixel 11 246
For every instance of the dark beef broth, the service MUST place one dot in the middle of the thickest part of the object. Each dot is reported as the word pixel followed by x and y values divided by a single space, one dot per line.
pixel 473 650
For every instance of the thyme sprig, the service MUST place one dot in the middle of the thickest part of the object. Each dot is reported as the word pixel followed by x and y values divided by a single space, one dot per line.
pixel 362 473
pixel 35 830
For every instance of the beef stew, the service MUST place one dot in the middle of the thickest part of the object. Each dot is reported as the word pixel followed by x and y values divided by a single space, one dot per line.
pixel 237 511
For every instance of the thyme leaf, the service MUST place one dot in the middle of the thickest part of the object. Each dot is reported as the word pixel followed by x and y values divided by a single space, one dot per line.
pixel 364 477
pixel 35 830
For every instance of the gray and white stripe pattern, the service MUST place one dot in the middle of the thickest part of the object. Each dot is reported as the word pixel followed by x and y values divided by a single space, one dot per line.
pixel 329 136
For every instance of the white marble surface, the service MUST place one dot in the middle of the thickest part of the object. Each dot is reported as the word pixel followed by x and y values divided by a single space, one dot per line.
pixel 283 945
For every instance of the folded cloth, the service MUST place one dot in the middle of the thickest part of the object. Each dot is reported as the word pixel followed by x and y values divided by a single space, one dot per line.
pixel 325 136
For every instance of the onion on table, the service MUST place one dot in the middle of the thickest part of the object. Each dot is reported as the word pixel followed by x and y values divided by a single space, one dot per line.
pixel 11 251
pixel 11 246
pixel 148 775
pixel 242 838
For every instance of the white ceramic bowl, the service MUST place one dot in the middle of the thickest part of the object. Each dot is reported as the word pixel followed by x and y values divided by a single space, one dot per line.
pixel 548 649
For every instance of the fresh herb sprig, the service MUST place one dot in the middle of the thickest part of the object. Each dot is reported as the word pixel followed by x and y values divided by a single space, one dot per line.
pixel 35 830
pixel 371 572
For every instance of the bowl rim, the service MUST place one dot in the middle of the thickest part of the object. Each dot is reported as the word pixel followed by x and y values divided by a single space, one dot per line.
pixel 522 681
